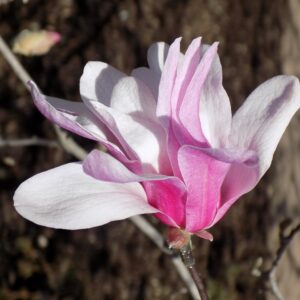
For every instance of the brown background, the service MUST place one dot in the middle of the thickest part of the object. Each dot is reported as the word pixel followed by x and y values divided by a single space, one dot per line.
pixel 258 39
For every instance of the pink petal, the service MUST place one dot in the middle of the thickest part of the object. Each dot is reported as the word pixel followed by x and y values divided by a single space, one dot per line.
pixel 203 176
pixel 177 133
pixel 190 107
pixel 204 234
pixel 64 113
pixel 169 197
pixel 167 81
pixel 165 193
pixel 241 176
pixel 75 117
pixel 65 197
pixel 103 166
pixel 260 122
pixel 215 126
pixel 98 81
pixel 185 74
pixel 240 179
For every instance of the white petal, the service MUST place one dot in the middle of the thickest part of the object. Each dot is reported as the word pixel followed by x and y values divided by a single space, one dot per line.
pixel 140 137
pixel 216 126
pixel 103 166
pixel 132 96
pixel 103 83
pixel 260 122
pixel 149 77
pixel 157 54
pixel 98 81
pixel 65 197
pixel 75 117
pixel 65 113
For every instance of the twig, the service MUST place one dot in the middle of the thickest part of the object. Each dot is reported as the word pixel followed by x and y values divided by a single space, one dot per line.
pixel 198 279
pixel 14 63
pixel 151 233
pixel 270 274
pixel 189 261
pixel 73 148
pixel 186 278
pixel 69 144
pixel 34 141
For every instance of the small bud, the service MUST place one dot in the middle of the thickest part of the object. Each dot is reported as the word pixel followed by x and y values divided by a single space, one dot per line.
pixel 31 43
pixel 177 238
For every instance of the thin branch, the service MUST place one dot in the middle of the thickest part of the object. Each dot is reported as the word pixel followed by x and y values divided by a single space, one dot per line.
pixel 189 261
pixel 270 274
pixel 14 63
pixel 186 278
pixel 73 148
pixel 198 279
pixel 151 233
pixel 34 141
pixel 69 144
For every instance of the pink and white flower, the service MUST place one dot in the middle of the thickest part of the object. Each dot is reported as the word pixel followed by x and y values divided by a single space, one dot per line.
pixel 174 148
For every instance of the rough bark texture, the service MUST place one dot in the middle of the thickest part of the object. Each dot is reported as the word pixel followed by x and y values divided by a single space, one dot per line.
pixel 258 39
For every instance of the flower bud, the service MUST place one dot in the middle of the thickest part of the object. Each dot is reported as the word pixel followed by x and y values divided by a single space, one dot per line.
pixel 31 43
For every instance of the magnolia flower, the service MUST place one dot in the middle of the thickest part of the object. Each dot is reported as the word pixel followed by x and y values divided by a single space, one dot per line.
pixel 174 148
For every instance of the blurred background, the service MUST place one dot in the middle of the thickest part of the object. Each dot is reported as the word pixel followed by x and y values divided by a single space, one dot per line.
pixel 258 39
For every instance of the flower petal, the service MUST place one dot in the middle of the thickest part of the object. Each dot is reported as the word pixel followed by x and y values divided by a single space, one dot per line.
pixel 203 176
pixel 157 54
pixel 185 74
pixel 167 81
pixel 150 78
pixel 260 122
pixel 141 138
pixel 132 96
pixel 240 179
pixel 204 234
pixel 169 197
pixel 98 81
pixel 213 98
pixel 176 132
pixel 190 107
pixel 65 197
pixel 103 166
pixel 165 193
pixel 127 94
pixel 64 113
pixel 75 117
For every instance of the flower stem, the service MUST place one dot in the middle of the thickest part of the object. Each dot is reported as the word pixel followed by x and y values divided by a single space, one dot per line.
pixel 189 261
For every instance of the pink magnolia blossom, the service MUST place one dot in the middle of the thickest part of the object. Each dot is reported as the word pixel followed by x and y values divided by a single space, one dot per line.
pixel 174 148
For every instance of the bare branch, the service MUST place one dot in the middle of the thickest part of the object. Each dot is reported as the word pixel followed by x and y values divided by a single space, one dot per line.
pixel 270 274
pixel 14 63
pixel 189 261
pixel 151 233
pixel 73 148
pixel 34 141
